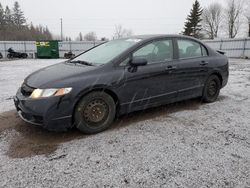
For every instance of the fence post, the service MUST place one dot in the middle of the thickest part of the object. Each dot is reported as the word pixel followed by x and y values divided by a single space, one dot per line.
pixel 25 49
pixel 4 46
pixel 244 47
pixel 221 43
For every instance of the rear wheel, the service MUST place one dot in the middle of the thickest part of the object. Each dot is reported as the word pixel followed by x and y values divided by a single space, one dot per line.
pixel 212 89
pixel 24 55
pixel 95 113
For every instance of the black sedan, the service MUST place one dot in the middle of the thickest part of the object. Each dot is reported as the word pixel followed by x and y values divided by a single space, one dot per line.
pixel 119 77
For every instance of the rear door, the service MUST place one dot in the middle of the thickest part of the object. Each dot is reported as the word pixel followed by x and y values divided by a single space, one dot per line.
pixel 191 68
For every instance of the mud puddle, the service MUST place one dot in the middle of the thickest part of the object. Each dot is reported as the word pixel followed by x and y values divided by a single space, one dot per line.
pixel 29 140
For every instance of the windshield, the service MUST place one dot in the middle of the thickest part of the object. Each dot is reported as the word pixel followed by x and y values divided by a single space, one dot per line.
pixel 106 52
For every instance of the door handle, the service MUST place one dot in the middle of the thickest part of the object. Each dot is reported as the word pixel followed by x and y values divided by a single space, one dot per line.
pixel 170 68
pixel 203 63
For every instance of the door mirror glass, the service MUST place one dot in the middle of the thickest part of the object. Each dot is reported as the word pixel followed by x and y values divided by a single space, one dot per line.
pixel 138 62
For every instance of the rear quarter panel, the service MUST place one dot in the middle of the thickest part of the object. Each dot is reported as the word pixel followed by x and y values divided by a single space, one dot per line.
pixel 218 64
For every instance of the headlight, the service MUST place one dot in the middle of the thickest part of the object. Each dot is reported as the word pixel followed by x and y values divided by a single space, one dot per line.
pixel 42 93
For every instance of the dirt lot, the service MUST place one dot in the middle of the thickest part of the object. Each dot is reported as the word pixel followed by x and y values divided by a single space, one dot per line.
pixel 187 144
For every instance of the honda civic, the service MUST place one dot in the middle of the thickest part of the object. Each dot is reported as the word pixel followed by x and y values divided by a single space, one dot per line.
pixel 119 77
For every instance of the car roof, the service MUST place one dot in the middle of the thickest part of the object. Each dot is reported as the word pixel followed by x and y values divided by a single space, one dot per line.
pixel 157 36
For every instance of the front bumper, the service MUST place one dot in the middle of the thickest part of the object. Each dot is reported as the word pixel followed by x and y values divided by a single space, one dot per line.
pixel 53 113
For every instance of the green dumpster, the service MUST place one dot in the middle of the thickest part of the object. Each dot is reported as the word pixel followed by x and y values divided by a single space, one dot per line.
pixel 47 49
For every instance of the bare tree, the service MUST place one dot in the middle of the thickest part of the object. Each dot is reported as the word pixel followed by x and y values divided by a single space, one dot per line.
pixel 232 17
pixel 80 38
pixel 91 36
pixel 121 32
pixel 212 19
pixel 247 14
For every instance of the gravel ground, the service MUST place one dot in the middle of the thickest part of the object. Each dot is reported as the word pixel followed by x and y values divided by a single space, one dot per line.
pixel 187 144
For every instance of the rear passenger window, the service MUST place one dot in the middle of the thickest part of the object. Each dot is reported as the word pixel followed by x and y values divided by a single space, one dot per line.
pixel 190 49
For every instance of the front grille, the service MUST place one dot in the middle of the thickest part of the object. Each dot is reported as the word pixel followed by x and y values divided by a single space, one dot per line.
pixel 26 90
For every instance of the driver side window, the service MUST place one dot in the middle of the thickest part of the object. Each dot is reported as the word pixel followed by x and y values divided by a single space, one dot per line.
pixel 155 52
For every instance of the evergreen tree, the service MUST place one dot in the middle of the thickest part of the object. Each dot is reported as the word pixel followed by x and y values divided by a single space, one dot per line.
pixel 192 24
pixel 1 17
pixel 2 23
pixel 8 17
pixel 13 26
pixel 47 33
pixel 18 16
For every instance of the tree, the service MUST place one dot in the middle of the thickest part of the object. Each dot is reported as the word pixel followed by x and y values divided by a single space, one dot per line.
pixel 1 17
pixel 232 17
pixel 8 16
pixel 18 16
pixel 121 32
pixel 212 19
pixel 13 26
pixel 247 15
pixel 91 36
pixel 192 25
pixel 80 38
pixel 2 22
pixel 7 24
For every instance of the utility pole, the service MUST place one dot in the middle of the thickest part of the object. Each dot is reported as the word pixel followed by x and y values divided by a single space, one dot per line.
pixel 61 29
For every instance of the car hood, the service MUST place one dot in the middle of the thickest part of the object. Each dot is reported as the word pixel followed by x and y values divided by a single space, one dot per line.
pixel 56 73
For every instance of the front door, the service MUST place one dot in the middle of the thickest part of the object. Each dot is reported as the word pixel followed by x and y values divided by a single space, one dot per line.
pixel 151 84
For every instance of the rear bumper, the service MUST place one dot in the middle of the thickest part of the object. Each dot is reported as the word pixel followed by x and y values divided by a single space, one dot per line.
pixel 54 113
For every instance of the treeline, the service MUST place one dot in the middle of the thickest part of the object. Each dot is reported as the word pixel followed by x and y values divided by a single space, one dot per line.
pixel 216 20
pixel 14 26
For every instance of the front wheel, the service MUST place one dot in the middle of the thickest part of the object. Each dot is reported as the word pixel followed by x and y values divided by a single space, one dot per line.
pixel 9 56
pixel 211 89
pixel 95 113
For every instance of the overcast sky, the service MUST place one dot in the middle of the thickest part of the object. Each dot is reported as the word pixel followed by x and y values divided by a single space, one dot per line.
pixel 101 16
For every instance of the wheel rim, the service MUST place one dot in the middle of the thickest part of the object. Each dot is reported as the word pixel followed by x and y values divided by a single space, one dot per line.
pixel 95 112
pixel 212 88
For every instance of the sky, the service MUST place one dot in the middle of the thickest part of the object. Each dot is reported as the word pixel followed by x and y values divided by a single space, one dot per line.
pixel 101 16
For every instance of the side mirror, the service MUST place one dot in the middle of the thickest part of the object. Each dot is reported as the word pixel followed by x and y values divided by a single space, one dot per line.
pixel 135 62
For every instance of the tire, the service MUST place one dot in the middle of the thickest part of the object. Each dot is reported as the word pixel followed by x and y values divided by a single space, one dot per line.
pixel 24 55
pixel 94 113
pixel 9 56
pixel 211 89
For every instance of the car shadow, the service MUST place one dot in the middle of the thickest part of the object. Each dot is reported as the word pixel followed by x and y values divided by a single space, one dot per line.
pixel 152 113
pixel 29 140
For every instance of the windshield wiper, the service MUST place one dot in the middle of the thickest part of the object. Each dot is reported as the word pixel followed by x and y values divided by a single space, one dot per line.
pixel 82 62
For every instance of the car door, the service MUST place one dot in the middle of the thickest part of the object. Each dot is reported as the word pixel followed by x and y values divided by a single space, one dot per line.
pixel 190 69
pixel 151 84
